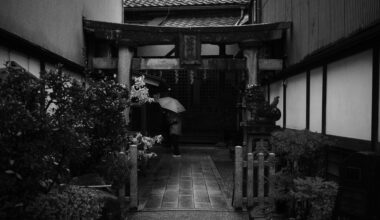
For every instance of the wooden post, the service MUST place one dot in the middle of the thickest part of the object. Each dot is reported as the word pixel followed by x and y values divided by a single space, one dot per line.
pixel 271 160
pixel 121 191
pixel 124 70
pixel 238 186
pixel 251 55
pixel 260 189
pixel 250 181
pixel 133 181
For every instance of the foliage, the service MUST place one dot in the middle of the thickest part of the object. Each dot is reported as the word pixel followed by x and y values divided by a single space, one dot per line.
pixel 71 202
pixel 139 92
pixel 314 198
pixel 37 135
pixel 301 153
pixel 144 144
pixel 118 168
pixel 299 183
pixel 53 128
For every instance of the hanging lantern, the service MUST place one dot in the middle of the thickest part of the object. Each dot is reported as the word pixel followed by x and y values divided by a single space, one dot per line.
pixel 191 77
pixel 176 77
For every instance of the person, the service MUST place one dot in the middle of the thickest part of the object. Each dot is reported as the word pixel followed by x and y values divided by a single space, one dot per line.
pixel 175 131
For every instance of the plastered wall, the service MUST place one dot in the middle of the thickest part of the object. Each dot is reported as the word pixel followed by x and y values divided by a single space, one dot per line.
pixel 296 102
pixel 349 96
pixel 56 25
pixel 316 100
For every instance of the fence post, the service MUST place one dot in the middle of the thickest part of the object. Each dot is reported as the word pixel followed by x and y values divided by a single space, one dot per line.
pixel 133 180
pixel 238 185
pixel 260 189
pixel 271 161
pixel 250 183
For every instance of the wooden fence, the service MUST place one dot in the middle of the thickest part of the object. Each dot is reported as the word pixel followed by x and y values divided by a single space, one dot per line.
pixel 133 181
pixel 259 164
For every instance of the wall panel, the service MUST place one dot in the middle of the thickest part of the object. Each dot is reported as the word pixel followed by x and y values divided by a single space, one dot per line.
pixel 296 102
pixel 276 89
pixel 349 97
pixel 34 66
pixel 316 99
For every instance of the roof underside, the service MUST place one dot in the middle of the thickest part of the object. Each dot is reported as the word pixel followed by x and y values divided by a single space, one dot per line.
pixel 150 35
pixel 199 21
pixel 179 3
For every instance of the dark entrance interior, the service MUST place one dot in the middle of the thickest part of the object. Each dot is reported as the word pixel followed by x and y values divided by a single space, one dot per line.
pixel 210 98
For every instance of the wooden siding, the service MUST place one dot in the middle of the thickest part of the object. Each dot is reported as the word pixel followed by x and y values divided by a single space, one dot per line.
pixel 318 23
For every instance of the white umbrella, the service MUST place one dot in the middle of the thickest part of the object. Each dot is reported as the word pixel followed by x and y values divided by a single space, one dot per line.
pixel 171 104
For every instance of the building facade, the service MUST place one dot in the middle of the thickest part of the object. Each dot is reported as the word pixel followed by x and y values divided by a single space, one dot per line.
pixel 39 34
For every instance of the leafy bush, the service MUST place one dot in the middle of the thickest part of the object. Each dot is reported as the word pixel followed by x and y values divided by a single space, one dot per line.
pixel 301 153
pixel 314 198
pixel 71 202
pixel 118 168
pixel 37 136
pixel 299 184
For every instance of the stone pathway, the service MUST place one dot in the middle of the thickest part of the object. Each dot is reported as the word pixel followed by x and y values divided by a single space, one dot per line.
pixel 191 182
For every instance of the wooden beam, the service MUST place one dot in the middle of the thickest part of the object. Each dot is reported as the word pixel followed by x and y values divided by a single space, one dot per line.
pixel 171 63
pixel 149 35
pixel 104 63
pixel 270 64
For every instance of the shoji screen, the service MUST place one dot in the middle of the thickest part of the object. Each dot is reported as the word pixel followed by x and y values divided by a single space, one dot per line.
pixel 316 100
pixel 349 96
pixel 296 102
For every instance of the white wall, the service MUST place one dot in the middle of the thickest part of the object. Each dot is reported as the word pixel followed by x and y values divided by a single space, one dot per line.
pixel 349 96
pixel 296 102
pixel 56 25
pixel 276 89
pixel 316 100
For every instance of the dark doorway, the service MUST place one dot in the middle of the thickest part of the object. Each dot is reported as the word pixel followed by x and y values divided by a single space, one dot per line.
pixel 210 98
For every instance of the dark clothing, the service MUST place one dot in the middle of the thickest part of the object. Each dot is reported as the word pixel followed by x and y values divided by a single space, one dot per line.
pixel 174 139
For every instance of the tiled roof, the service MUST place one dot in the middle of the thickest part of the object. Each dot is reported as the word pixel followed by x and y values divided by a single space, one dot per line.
pixel 174 3
pixel 200 21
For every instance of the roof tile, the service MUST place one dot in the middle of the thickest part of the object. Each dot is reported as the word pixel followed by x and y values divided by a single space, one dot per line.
pixel 169 3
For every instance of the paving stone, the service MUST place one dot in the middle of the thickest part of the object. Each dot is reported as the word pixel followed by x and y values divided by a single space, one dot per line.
pixel 173 181
pixel 154 202
pixel 201 196
pixel 199 186
pixel 185 178
pixel 198 180
pixel 202 205
pixel 186 184
pixel 170 196
pixel 186 202
pixel 218 202
pixel 172 187
pixel 169 205
pixel 186 192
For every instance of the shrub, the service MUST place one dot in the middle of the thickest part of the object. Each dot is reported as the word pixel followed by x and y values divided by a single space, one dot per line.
pixel 301 153
pixel 299 184
pixel 314 198
pixel 70 202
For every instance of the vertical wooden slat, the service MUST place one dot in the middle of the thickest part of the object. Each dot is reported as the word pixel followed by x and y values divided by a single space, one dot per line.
pixel 238 181
pixel 250 183
pixel 324 23
pixel 250 144
pixel 260 187
pixel 313 24
pixel 133 178
pixel 337 19
pixel 271 160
